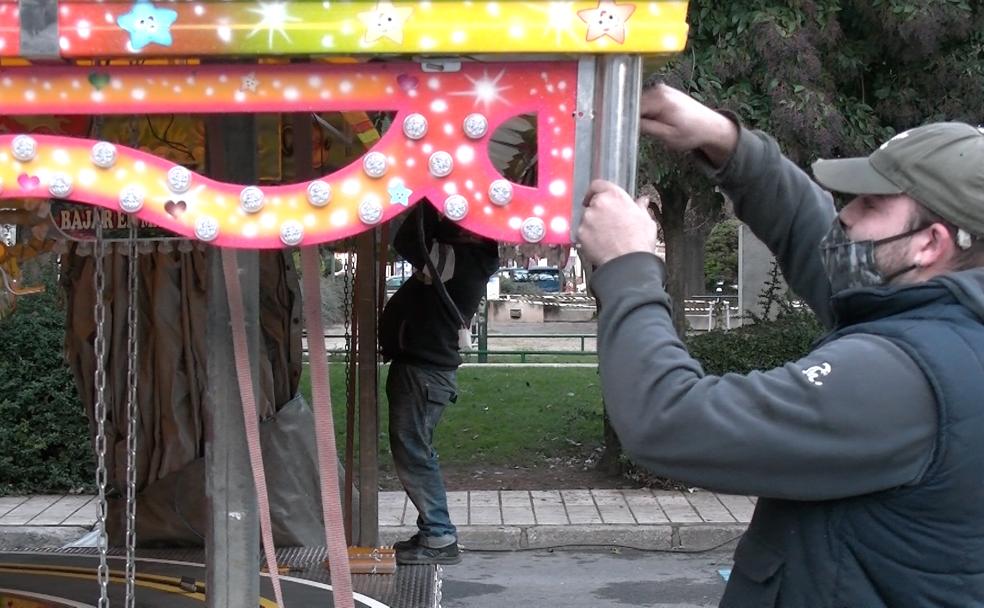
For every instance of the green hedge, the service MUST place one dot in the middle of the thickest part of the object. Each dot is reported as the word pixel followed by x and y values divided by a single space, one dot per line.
pixel 44 434
pixel 761 345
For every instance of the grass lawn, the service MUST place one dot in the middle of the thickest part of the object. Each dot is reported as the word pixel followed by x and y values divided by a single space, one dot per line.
pixel 503 416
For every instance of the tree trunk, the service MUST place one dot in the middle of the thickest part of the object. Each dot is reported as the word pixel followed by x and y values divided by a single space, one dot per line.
pixel 672 220
pixel 694 281
pixel 610 461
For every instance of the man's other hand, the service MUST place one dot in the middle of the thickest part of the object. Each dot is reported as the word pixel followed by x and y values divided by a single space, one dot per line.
pixel 614 225
pixel 682 123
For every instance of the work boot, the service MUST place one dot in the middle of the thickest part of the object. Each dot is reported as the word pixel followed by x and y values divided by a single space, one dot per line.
pixel 421 555
pixel 405 545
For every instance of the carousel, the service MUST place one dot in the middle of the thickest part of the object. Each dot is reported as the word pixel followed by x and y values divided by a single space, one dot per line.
pixel 201 169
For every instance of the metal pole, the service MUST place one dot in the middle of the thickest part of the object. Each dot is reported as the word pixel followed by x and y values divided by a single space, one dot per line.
pixel 618 85
pixel 39 29
pixel 615 144
pixel 483 332
pixel 368 376
pixel 233 540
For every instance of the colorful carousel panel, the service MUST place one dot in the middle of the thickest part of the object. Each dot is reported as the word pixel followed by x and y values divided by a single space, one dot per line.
pixel 157 28
pixel 437 148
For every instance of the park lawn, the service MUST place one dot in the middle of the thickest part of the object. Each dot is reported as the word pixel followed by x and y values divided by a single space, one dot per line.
pixel 503 416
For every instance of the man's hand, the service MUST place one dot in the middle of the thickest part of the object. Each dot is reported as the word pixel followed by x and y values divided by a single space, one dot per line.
pixel 682 123
pixel 613 224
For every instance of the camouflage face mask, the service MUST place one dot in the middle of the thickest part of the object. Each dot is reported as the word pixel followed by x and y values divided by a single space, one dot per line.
pixel 850 264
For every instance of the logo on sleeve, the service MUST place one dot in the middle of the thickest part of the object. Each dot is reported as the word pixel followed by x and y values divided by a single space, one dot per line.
pixel 813 374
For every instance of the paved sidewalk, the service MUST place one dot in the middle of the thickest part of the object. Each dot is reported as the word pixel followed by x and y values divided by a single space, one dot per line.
pixel 646 519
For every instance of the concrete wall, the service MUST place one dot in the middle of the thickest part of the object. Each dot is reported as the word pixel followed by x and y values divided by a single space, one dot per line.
pixel 754 265
pixel 515 311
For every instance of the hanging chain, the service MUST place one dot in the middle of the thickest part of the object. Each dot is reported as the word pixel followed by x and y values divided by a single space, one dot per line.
pixel 99 255
pixel 348 276
pixel 131 415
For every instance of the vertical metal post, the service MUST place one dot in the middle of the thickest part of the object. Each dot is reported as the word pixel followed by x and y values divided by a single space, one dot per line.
pixel 232 543
pixel 367 248
pixel 615 147
pixel 618 85
pixel 483 332
pixel 39 29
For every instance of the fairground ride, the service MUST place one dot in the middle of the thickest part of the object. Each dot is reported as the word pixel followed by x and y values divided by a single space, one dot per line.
pixel 179 156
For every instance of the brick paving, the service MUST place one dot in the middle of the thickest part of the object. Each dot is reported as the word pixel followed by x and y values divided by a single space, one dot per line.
pixel 503 519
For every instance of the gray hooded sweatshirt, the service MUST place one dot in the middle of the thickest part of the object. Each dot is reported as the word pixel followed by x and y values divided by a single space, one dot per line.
pixel 855 416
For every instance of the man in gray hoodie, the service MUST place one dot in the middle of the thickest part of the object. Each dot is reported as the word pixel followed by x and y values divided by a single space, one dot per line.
pixel 868 453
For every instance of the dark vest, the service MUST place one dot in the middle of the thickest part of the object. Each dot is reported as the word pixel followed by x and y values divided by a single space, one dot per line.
pixel 920 545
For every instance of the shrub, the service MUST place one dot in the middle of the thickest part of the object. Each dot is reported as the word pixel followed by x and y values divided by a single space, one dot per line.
pixel 785 332
pixel 522 288
pixel 764 344
pixel 44 433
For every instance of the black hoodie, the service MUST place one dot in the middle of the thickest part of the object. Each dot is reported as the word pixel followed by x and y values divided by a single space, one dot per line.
pixel 417 325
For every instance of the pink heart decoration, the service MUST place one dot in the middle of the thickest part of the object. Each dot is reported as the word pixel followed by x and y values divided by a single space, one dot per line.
pixel 407 82
pixel 28 182
pixel 175 208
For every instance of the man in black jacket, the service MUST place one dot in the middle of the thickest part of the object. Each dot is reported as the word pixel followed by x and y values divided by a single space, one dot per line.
pixel 420 331
pixel 868 453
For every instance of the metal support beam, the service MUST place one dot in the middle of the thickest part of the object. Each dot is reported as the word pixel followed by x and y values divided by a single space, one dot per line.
pixel 233 540
pixel 584 132
pixel 367 246
pixel 618 85
pixel 38 29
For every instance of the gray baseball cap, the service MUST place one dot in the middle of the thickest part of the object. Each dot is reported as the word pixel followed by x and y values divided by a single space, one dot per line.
pixel 940 165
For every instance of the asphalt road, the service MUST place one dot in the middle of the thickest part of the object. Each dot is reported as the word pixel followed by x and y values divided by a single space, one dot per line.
pixel 586 578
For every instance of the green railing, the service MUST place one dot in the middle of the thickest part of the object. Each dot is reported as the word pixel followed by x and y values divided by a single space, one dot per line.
pixel 483 352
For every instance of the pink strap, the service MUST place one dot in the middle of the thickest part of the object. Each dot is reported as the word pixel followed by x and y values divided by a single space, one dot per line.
pixel 338 559
pixel 237 319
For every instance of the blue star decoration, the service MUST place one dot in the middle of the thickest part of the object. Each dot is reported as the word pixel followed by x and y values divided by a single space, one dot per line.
pixel 399 194
pixel 146 23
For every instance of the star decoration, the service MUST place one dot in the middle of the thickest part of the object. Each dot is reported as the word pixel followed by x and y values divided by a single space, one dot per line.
pixel 273 17
pixel 607 19
pixel 146 23
pixel 249 83
pixel 385 21
pixel 486 90
pixel 558 19
pixel 399 194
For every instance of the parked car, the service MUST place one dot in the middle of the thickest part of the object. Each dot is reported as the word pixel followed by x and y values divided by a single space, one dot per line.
pixel 394 282
pixel 512 274
pixel 547 279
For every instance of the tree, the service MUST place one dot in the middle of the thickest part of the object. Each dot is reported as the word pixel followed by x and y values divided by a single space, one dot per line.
pixel 825 77
pixel 721 254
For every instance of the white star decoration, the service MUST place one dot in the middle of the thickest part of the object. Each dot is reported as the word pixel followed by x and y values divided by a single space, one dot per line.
pixel 385 21
pixel 249 82
pixel 273 16
pixel 607 19
pixel 486 90
pixel 559 18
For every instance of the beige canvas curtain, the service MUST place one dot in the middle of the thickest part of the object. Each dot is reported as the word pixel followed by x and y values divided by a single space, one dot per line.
pixel 172 307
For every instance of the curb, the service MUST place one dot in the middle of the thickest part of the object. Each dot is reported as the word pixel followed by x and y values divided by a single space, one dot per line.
pixel 660 537
pixel 663 537
pixel 39 537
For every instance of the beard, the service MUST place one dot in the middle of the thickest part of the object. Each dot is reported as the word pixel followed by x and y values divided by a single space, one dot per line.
pixel 892 261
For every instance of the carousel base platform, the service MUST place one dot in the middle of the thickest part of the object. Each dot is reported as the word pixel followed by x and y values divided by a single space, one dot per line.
pixel 175 578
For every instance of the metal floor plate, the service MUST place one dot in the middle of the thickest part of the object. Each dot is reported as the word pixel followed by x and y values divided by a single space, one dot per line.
pixel 306 585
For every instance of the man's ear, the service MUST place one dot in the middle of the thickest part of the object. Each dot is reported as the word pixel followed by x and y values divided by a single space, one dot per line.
pixel 937 247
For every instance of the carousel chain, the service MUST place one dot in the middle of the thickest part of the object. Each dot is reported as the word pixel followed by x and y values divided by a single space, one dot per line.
pixel 347 294
pixel 131 414
pixel 100 409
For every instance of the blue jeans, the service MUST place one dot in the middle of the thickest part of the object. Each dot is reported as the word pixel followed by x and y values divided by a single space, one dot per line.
pixel 417 397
